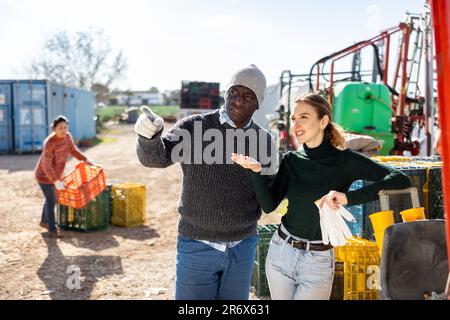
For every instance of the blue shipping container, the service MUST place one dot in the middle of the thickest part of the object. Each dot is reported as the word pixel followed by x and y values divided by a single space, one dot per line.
pixel 6 144
pixel 33 104
pixel 30 115
pixel 77 105
pixel 81 105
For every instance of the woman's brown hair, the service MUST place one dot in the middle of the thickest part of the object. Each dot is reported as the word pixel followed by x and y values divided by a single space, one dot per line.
pixel 58 120
pixel 334 131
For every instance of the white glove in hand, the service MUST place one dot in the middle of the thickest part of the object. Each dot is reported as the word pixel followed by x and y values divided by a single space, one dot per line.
pixel 333 227
pixel 148 123
pixel 59 185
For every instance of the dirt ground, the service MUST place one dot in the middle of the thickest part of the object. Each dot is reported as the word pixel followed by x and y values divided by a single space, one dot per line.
pixel 119 263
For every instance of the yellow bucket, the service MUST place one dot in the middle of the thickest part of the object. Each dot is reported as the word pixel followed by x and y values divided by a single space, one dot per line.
pixel 379 236
pixel 413 214
pixel 381 220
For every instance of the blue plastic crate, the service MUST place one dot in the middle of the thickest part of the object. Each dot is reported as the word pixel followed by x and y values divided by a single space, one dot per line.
pixel 357 212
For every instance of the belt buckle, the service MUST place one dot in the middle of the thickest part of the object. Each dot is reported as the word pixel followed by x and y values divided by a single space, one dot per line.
pixel 292 242
pixel 296 244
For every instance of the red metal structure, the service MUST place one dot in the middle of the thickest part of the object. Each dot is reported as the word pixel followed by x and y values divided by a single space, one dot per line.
pixel 401 103
pixel 401 62
pixel 404 114
pixel 441 23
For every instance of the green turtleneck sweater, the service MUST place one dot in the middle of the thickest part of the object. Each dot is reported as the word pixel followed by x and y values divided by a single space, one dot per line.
pixel 310 173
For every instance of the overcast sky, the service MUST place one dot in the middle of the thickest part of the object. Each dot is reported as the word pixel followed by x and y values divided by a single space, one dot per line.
pixel 166 41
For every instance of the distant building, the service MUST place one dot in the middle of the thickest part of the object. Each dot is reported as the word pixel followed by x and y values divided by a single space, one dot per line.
pixel 120 99
pixel 136 98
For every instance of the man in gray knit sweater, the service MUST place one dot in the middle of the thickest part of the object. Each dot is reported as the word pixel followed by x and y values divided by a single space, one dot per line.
pixel 218 208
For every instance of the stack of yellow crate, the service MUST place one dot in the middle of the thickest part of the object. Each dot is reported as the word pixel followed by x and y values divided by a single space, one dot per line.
pixel 391 159
pixel 128 204
pixel 359 262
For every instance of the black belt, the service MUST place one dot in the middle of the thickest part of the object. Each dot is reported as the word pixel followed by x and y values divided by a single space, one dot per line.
pixel 302 245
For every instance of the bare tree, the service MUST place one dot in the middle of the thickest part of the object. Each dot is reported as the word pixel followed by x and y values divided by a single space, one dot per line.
pixel 84 60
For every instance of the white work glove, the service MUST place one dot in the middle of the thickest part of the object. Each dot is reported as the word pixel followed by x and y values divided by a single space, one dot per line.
pixel 59 185
pixel 332 224
pixel 323 225
pixel 148 123
pixel 90 162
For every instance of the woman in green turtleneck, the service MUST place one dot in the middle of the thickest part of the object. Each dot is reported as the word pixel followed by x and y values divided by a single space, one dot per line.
pixel 298 264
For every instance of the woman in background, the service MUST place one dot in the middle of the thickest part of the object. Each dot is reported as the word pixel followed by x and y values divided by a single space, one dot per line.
pixel 50 169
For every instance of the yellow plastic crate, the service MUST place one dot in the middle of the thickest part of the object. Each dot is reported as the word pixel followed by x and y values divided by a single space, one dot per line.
pixel 392 159
pixel 361 269
pixel 429 164
pixel 128 204
pixel 282 208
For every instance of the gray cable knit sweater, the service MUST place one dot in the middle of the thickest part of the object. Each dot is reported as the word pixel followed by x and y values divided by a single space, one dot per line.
pixel 217 201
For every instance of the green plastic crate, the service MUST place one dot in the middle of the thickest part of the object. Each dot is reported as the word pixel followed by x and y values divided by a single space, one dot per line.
pixel 93 217
pixel 435 194
pixel 259 280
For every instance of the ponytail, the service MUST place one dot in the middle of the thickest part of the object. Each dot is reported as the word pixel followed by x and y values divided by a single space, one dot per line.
pixel 336 135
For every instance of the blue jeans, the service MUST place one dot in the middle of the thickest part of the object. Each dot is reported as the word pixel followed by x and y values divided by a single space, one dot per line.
pixel 48 212
pixel 205 273
pixel 295 274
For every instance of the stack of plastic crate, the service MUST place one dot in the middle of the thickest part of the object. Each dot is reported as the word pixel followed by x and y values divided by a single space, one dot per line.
pixel 425 175
pixel 200 95
pixel 83 184
pixel 84 205
pixel 418 177
pixel 92 217
pixel 259 280
pixel 357 271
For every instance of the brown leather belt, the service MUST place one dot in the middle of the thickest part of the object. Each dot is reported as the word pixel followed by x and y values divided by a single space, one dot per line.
pixel 302 245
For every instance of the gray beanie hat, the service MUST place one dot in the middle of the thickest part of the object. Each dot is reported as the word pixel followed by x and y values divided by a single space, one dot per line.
pixel 252 78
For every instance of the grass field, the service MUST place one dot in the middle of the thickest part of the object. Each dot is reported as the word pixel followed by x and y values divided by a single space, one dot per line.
pixel 113 112
pixel 109 113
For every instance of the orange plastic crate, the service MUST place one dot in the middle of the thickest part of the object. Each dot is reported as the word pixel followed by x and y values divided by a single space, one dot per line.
pixel 83 184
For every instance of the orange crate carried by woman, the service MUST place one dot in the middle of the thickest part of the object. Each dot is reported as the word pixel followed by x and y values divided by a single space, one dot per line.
pixel 83 184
